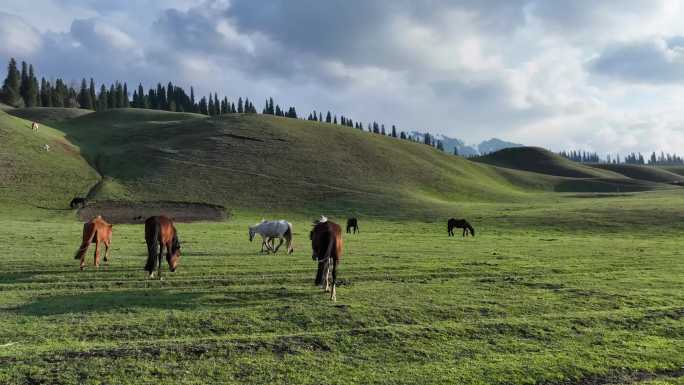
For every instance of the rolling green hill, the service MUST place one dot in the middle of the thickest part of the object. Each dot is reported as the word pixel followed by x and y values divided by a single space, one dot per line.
pixel 257 161
pixel 648 173
pixel 278 164
pixel 542 161
pixel 48 115
pixel 33 176
pixel 679 170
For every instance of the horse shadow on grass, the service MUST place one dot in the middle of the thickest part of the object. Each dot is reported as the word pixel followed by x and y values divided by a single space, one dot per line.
pixel 122 301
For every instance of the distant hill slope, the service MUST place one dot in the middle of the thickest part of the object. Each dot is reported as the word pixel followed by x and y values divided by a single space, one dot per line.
pixel 265 161
pixel 679 170
pixel 32 176
pixel 273 164
pixel 542 161
pixel 648 173
pixel 48 115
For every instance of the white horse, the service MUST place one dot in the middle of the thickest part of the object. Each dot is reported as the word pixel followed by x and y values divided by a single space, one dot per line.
pixel 269 230
pixel 34 126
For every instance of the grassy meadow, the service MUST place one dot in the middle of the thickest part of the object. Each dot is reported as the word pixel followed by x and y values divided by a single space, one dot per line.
pixel 568 281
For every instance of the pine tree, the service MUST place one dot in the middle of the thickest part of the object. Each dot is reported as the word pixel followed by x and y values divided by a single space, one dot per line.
pixel 211 109
pixel 24 85
pixel 240 108
pixel 126 101
pixel 91 92
pixel 111 97
pixel 84 96
pixel 10 88
pixel 32 91
pixel 394 131
pixel 44 93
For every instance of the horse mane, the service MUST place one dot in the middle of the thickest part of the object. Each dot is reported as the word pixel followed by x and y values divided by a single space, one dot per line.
pixel 175 243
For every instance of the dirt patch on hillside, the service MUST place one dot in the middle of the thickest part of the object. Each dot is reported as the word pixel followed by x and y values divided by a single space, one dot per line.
pixel 137 212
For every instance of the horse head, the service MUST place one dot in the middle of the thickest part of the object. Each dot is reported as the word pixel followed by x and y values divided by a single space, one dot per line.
pixel 175 254
pixel 252 232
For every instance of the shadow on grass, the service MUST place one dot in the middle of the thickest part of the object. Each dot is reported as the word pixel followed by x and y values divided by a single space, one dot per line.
pixel 109 301
pixel 163 299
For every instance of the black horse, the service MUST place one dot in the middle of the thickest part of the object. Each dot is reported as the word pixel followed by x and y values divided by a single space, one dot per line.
pixel 352 223
pixel 460 224
pixel 77 202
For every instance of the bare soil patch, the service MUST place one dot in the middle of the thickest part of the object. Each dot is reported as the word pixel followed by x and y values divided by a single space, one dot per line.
pixel 136 212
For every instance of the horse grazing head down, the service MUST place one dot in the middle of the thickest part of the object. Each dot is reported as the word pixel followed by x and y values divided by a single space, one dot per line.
pixel 252 233
pixel 174 256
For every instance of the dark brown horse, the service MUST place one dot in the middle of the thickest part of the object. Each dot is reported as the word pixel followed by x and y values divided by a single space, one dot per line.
pixel 326 242
pixel 352 225
pixel 96 231
pixel 77 202
pixel 159 233
pixel 460 224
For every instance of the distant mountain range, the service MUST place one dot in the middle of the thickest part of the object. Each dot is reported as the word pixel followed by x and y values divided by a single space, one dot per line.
pixel 485 147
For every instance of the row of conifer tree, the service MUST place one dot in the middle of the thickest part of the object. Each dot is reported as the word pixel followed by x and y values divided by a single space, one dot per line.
pixel 21 89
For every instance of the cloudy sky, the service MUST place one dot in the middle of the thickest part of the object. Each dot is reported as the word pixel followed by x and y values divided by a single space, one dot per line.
pixel 605 76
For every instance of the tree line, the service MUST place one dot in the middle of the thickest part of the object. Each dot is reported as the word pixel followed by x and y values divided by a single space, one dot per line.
pixel 21 89
pixel 662 159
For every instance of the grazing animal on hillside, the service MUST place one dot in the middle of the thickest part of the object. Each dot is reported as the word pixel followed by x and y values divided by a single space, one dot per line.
pixel 461 224
pixel 160 233
pixel 326 244
pixel 77 202
pixel 352 225
pixel 34 126
pixel 269 231
pixel 96 231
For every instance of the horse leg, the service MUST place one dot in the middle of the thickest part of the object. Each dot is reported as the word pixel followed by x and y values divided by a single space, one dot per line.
pixel 319 275
pixel 97 254
pixel 106 255
pixel 280 244
pixel 333 294
pixel 465 232
pixel 290 248
pixel 159 260
pixel 327 276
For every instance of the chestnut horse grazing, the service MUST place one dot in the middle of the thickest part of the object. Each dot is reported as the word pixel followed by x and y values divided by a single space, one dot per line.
pixel 326 242
pixel 96 231
pixel 159 233
pixel 460 224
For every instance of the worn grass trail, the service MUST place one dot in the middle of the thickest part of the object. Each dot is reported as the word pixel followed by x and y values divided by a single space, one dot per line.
pixel 537 304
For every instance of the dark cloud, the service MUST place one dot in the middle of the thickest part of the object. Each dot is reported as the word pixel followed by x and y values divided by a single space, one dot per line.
pixel 655 61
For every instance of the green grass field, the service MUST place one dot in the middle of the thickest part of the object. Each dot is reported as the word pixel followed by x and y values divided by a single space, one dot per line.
pixel 583 287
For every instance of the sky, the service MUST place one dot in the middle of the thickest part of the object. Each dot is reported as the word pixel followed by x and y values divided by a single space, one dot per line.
pixel 603 76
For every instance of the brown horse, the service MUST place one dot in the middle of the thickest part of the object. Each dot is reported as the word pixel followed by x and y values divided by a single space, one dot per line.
pixel 460 224
pixel 159 233
pixel 96 231
pixel 326 242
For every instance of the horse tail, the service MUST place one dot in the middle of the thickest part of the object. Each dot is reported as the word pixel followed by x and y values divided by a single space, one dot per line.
pixel 288 237
pixel 89 232
pixel 152 233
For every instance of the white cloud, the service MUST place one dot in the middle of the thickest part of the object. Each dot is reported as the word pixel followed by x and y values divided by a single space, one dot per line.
pixel 604 76
pixel 17 38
